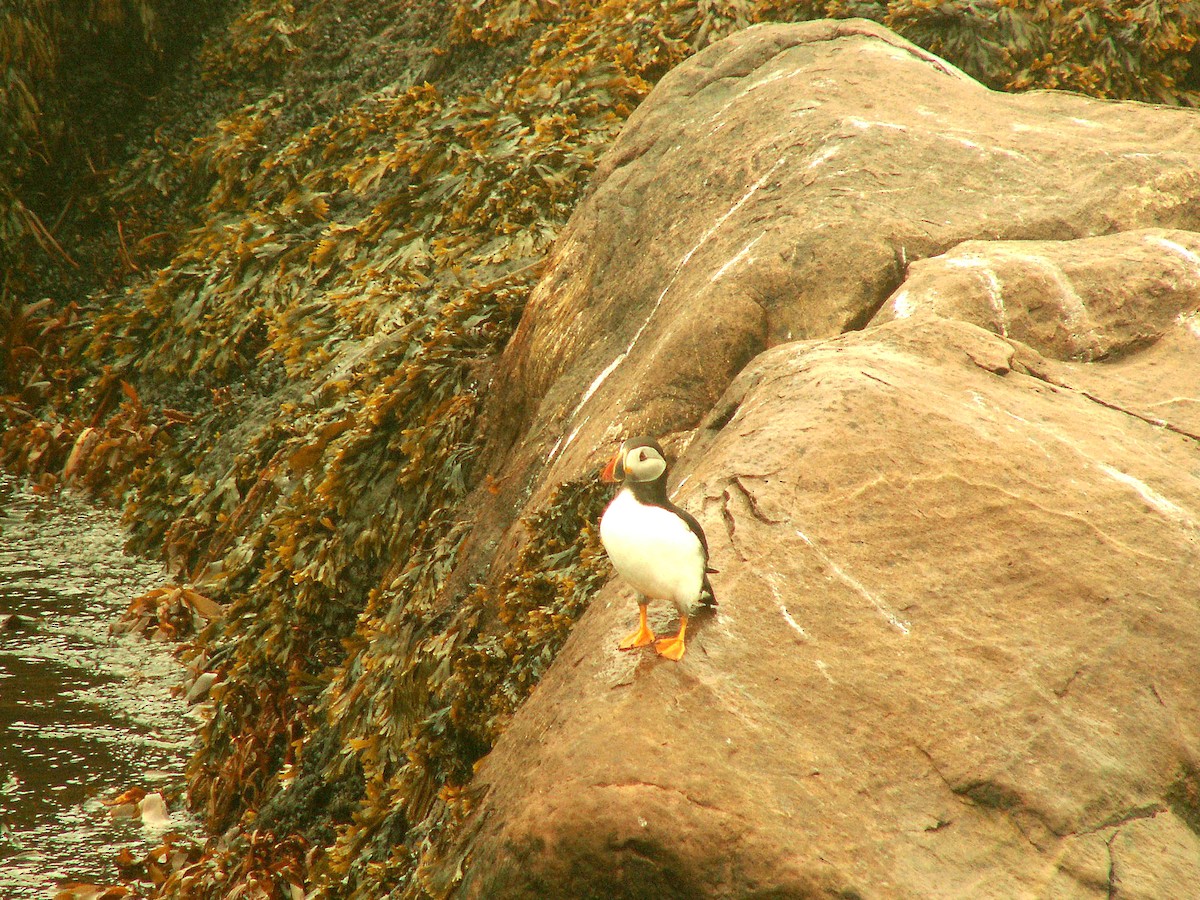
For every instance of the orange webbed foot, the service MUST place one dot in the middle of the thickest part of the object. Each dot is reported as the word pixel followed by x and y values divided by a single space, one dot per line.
pixel 643 637
pixel 673 647
pixel 670 648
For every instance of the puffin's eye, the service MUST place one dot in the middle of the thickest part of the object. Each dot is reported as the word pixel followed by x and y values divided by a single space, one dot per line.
pixel 641 456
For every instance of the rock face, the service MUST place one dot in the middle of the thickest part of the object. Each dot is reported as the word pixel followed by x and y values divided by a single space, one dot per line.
pixel 777 187
pixel 932 355
pixel 1090 299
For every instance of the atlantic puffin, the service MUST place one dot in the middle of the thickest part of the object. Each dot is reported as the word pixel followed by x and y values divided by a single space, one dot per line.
pixel 657 547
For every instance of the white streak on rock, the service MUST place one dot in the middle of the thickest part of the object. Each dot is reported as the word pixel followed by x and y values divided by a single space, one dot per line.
pixel 984 148
pixel 773 580
pixel 603 376
pixel 751 88
pixel 774 76
pixel 787 617
pixel 865 124
pixel 1193 259
pixel 679 267
pixel 1153 498
pixel 720 124
pixel 576 430
pixel 995 291
pixel 1191 321
pixel 886 611
pixel 965 261
pixel 1078 319
pixel 823 157
pixel 902 305
pixel 738 257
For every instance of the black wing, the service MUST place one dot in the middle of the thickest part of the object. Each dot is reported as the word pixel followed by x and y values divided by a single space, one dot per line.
pixel 707 597
pixel 694 525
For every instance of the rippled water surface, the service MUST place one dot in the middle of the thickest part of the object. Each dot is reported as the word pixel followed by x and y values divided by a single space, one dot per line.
pixel 83 715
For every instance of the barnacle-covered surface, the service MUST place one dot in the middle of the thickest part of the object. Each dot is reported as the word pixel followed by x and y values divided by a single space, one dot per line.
pixel 327 236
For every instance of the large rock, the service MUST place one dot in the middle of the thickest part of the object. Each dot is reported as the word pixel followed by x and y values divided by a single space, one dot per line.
pixel 959 549
pixel 776 187
pixel 956 653
pixel 1091 299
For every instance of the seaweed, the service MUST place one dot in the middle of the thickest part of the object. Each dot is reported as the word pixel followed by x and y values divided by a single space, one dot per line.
pixel 461 678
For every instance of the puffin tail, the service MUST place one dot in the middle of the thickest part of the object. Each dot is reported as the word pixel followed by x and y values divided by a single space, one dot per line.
pixel 707 597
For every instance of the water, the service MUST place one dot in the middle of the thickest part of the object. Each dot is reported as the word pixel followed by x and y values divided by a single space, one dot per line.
pixel 83 715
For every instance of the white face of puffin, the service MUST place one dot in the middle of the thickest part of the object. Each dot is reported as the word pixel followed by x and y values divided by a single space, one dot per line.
pixel 643 463
pixel 638 460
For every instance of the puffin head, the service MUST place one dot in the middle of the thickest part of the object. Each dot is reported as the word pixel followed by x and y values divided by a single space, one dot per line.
pixel 639 459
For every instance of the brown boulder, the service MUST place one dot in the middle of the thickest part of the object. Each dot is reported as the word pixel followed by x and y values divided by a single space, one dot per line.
pixel 1094 298
pixel 956 652
pixel 959 630
pixel 776 187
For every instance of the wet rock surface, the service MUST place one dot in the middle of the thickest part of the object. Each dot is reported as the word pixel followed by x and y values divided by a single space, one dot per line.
pixel 83 715
pixel 958 548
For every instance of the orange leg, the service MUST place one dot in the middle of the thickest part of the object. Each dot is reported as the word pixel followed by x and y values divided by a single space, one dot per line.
pixel 672 647
pixel 642 636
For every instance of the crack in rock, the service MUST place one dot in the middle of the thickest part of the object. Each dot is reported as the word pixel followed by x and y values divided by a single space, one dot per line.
pixel 1115 407
pixel 660 787
pixel 1061 692
pixel 755 509
pixel 1112 866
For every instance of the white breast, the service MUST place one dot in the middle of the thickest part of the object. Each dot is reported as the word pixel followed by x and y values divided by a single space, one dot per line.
pixel 654 550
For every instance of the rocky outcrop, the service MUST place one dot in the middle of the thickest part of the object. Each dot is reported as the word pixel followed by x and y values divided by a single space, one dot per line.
pixel 930 354
pixel 777 187
pixel 955 656
pixel 1089 299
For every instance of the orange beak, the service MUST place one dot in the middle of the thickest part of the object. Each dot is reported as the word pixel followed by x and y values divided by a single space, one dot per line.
pixel 609 473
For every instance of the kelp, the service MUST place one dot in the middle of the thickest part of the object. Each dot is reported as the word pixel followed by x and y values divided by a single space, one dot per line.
pixel 29 51
pixel 284 388
pixel 74 74
pixel 460 677
pixel 1128 50
pixel 71 75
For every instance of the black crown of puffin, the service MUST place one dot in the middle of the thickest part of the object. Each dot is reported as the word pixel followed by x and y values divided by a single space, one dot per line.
pixel 658 548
